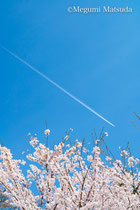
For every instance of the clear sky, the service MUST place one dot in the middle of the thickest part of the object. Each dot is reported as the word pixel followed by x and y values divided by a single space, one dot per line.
pixel 96 57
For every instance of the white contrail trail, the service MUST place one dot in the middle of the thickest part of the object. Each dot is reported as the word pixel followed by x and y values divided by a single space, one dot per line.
pixel 58 86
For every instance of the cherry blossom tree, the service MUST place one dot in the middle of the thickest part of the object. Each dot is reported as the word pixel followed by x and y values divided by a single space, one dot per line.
pixel 70 176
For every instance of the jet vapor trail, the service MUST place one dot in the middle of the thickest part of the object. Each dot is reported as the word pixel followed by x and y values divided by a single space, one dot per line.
pixel 56 85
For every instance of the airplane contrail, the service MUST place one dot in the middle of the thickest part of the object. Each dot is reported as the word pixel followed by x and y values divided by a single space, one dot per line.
pixel 56 85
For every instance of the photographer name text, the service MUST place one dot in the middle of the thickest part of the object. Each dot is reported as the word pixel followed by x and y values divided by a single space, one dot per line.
pixel 103 9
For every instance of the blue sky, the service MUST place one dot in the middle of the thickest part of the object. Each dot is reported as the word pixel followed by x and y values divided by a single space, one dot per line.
pixel 94 56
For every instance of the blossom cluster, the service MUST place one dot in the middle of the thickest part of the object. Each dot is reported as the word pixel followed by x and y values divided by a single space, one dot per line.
pixel 71 177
